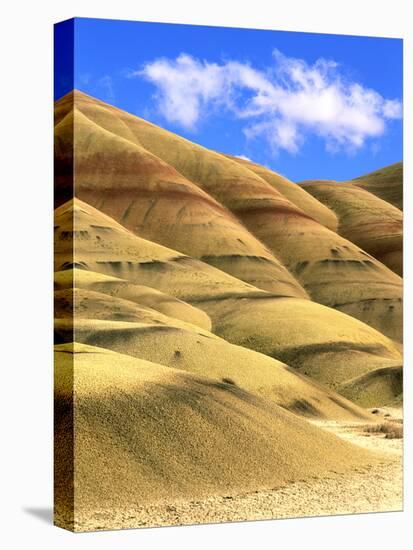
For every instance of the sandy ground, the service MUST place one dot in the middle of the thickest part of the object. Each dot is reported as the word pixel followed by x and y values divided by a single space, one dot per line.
pixel 374 489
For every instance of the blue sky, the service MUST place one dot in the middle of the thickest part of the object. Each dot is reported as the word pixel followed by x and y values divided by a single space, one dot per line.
pixel 307 105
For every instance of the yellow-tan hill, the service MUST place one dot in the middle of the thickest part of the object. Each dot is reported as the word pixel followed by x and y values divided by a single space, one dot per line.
pixel 333 271
pixel 141 295
pixel 377 388
pixel 298 196
pixel 322 343
pixel 88 239
pixel 112 323
pixel 386 183
pixel 372 223
pixel 145 433
pixel 328 344
pixel 150 198
pixel 78 303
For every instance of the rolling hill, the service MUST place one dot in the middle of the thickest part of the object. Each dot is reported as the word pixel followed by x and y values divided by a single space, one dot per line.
pixel 148 433
pixel 386 183
pixel 127 182
pixel 196 201
pixel 207 312
pixel 123 326
pixel 294 193
pixel 333 350
pixel 366 220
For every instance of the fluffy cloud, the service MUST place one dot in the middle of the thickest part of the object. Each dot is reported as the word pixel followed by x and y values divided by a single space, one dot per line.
pixel 283 104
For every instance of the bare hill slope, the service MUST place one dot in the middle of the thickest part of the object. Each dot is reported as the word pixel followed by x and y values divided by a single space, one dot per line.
pixel 326 344
pixel 366 220
pixel 331 269
pixel 386 183
pixel 166 435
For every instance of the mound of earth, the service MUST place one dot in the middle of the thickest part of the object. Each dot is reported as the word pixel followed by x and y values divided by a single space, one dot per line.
pixel 281 247
pixel 326 344
pixel 377 388
pixel 364 219
pixel 146 434
pixel 386 183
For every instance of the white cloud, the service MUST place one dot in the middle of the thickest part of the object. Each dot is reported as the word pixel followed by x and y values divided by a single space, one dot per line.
pixel 282 104
pixel 185 86
pixel 106 82
pixel 243 157
pixel 85 78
